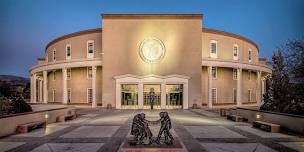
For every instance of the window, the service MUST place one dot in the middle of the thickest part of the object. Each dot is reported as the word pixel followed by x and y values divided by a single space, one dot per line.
pixel 213 49
pixel 249 95
pixel 250 55
pixel 69 73
pixel 54 95
pixel 89 72
pixel 54 54
pixel 214 95
pixel 69 94
pixel 234 95
pixel 90 48
pixel 54 75
pixel 89 95
pixel 68 51
pixel 235 74
pixel 235 52
pixel 214 72
pixel 249 75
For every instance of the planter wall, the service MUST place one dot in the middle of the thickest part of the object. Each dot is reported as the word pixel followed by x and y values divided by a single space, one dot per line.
pixel 293 123
pixel 9 123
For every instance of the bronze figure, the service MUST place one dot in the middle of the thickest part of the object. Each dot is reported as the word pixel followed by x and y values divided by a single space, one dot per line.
pixel 141 131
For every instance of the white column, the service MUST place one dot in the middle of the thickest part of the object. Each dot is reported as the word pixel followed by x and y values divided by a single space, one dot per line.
pixel 263 88
pixel 94 104
pixel 163 96
pixel 118 96
pixel 40 90
pixel 259 90
pixel 45 91
pixel 64 86
pixel 34 89
pixel 185 96
pixel 140 95
pixel 209 86
pixel 239 87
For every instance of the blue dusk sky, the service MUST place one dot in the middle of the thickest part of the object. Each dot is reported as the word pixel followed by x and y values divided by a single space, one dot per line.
pixel 26 26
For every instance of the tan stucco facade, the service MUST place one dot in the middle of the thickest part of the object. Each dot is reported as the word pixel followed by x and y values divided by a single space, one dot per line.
pixel 116 60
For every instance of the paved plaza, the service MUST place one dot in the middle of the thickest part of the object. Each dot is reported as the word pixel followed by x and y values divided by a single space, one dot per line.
pixel 106 130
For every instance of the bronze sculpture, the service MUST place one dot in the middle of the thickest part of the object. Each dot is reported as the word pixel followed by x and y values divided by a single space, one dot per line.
pixel 141 131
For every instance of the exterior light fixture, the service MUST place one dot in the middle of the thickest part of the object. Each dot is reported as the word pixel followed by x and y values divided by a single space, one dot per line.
pixel 258 116
pixel 46 116
pixel 152 50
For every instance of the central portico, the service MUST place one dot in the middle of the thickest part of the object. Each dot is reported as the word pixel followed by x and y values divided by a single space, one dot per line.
pixel 162 52
pixel 171 91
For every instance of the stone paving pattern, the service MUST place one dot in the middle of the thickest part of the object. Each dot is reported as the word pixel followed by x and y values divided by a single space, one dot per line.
pixel 106 130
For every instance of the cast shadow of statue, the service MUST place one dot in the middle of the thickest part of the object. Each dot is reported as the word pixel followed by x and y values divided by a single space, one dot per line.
pixel 141 131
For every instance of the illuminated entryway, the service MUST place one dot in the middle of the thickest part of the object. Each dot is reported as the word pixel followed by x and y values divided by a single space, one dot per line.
pixel 174 95
pixel 133 91
pixel 157 91
pixel 129 96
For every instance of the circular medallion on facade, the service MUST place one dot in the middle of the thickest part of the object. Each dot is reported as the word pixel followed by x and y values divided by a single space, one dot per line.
pixel 152 50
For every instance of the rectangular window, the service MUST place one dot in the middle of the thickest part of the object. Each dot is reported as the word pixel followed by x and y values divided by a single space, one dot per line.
pixel 249 95
pixel 214 72
pixel 213 49
pixel 89 72
pixel 214 95
pixel 249 75
pixel 54 75
pixel 68 51
pixel 90 48
pixel 54 54
pixel 69 73
pixel 250 55
pixel 235 74
pixel 69 94
pixel 235 52
pixel 54 95
pixel 89 95
pixel 234 95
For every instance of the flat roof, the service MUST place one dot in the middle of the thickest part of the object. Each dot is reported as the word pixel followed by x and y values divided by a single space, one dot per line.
pixel 152 16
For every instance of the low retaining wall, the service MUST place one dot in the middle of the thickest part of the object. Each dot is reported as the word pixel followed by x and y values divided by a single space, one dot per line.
pixel 9 123
pixel 290 122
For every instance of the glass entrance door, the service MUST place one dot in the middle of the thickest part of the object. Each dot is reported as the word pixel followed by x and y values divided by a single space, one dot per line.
pixel 129 96
pixel 174 96
pixel 157 91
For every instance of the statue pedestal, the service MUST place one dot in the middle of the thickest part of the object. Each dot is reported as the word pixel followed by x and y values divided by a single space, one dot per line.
pixel 175 147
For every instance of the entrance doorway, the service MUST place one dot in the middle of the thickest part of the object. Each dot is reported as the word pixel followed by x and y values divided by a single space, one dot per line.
pixel 174 96
pixel 129 96
pixel 157 91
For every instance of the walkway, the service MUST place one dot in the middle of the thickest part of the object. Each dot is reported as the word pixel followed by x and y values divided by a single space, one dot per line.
pixel 106 130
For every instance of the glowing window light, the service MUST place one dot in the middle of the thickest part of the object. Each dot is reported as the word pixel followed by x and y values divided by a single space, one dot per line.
pixel 152 50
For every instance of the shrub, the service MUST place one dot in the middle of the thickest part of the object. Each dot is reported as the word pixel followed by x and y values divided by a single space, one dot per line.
pixel 19 105
pixel 5 106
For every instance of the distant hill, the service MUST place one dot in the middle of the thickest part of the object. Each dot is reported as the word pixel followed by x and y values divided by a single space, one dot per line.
pixel 12 78
pixel 11 85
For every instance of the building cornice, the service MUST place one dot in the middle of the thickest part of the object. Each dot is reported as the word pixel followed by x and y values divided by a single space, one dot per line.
pixel 76 63
pixel 231 64
pixel 89 31
pixel 213 31
pixel 152 16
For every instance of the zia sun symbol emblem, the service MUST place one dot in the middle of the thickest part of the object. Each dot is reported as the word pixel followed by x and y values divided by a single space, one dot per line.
pixel 152 50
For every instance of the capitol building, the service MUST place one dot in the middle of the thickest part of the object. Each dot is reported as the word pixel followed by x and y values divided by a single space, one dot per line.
pixel 118 64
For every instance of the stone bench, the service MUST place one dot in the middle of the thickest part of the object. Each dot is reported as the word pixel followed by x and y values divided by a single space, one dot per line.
pixel 224 112
pixel 236 118
pixel 269 127
pixel 24 128
pixel 70 116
